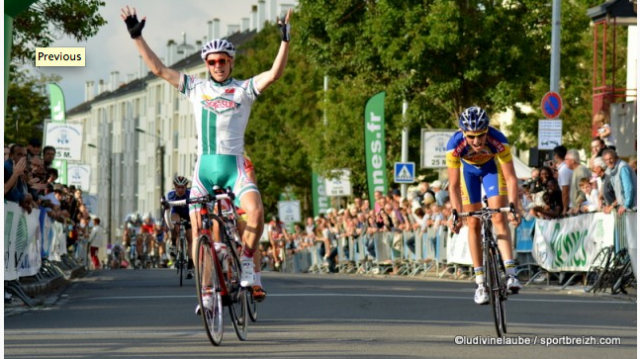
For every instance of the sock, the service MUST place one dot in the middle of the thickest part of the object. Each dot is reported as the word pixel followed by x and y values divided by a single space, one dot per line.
pixel 247 253
pixel 190 264
pixel 479 271
pixel 510 266
pixel 257 279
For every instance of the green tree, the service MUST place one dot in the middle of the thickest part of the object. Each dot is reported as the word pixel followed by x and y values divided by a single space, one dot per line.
pixel 27 106
pixel 47 20
pixel 39 26
pixel 442 56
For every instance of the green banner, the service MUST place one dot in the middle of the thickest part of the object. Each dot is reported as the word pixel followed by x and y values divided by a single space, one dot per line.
pixel 58 115
pixel 320 200
pixel 374 142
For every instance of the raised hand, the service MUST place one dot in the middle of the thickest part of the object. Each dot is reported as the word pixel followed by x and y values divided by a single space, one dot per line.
pixel 131 19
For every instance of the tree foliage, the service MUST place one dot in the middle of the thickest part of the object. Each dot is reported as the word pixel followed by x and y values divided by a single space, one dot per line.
pixel 439 55
pixel 27 106
pixel 47 20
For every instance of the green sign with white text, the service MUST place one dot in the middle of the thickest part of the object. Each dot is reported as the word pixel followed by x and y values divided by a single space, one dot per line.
pixel 374 142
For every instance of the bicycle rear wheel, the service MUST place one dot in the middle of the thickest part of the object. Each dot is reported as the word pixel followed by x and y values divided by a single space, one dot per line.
pixel 595 274
pixel 623 280
pixel 239 297
pixel 495 287
pixel 253 308
pixel 207 284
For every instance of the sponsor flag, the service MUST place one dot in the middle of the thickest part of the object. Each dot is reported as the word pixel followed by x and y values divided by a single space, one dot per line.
pixel 374 142
pixel 319 195
pixel 58 115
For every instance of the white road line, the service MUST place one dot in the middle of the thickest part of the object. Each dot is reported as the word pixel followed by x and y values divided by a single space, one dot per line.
pixel 466 298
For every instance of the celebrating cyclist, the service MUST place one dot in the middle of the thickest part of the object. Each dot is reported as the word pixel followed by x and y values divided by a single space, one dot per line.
pixel 222 106
pixel 479 154
pixel 180 191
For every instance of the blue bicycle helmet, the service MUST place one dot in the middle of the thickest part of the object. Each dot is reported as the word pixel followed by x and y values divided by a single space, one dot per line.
pixel 473 119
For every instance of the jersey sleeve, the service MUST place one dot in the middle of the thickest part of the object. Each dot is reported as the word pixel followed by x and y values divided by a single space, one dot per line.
pixel 455 148
pixel 188 85
pixel 499 142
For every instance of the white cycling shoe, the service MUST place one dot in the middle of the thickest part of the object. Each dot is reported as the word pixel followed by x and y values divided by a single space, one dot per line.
pixel 481 297
pixel 207 301
pixel 247 277
pixel 513 284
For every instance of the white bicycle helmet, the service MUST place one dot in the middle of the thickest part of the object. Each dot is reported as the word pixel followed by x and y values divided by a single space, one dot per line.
pixel 216 46
pixel 180 181
pixel 473 119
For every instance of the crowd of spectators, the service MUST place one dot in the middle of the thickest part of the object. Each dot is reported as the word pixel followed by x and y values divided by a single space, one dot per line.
pixel 425 206
pixel 565 187
pixel 29 180
pixel 607 183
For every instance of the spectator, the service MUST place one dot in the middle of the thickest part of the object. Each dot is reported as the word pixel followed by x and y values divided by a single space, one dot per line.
pixel 597 146
pixel 592 203
pixel 6 153
pixel 52 175
pixel 601 120
pixel 564 175
pixel 15 187
pixel 48 155
pixel 535 184
pixel 572 159
pixel 552 199
pixel 633 163
pixel 98 244
pixel 423 189
pixel 623 179
pixel 441 195
pixel 33 147
pixel 607 196
pixel 544 176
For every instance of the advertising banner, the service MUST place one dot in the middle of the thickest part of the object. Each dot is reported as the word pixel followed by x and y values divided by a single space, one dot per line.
pixel 570 244
pixel 374 142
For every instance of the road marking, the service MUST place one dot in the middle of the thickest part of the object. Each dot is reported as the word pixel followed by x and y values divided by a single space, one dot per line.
pixel 403 296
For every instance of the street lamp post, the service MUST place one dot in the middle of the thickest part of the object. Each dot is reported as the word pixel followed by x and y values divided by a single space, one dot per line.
pixel 159 159
pixel 109 199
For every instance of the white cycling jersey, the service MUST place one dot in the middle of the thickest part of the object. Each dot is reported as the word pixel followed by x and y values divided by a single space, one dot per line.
pixel 221 112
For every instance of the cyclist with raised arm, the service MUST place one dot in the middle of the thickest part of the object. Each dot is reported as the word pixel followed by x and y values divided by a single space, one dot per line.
pixel 180 191
pixel 479 154
pixel 222 106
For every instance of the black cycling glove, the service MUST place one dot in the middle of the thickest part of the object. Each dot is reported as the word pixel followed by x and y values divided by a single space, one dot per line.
pixel 284 30
pixel 134 26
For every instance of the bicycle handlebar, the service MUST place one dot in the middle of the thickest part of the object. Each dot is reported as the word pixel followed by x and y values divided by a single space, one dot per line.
pixel 218 194
pixel 456 216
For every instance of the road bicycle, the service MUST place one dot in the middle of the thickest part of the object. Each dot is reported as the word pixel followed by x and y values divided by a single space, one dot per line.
pixel 182 259
pixel 217 264
pixel 609 270
pixel 495 272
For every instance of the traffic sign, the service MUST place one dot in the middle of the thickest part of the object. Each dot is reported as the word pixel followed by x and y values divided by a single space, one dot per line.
pixel 551 105
pixel 404 172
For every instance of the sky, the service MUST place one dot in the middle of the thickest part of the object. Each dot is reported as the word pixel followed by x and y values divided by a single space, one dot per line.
pixel 112 49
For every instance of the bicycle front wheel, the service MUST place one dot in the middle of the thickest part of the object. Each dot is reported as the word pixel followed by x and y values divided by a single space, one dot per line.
pixel 239 297
pixel 208 290
pixel 595 274
pixel 495 288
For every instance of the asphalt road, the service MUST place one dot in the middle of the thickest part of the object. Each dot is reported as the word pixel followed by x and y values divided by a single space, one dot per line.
pixel 145 314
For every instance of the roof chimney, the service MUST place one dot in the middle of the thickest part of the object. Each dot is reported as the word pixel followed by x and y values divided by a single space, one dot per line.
pixel 246 23
pixel 262 9
pixel 232 29
pixel 88 91
pixel 254 17
pixel 216 28
pixel 171 52
pixel 273 13
pixel 114 80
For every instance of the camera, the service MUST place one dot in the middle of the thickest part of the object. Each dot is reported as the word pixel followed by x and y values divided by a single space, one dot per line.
pixel 548 163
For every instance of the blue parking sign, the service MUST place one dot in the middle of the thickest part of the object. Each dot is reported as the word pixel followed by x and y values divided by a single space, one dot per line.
pixel 404 172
